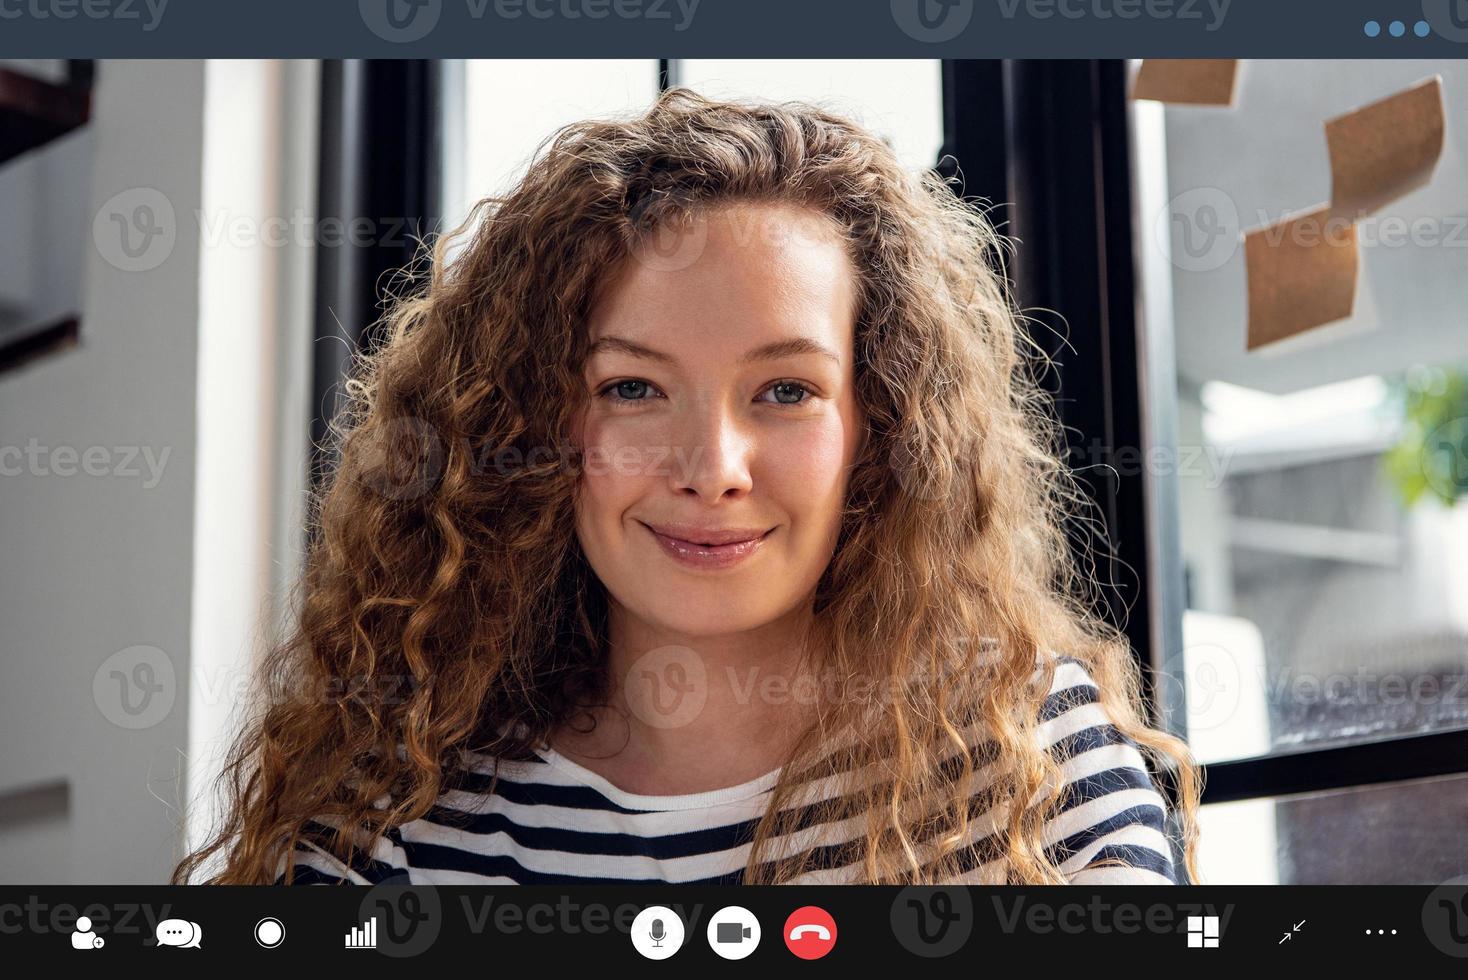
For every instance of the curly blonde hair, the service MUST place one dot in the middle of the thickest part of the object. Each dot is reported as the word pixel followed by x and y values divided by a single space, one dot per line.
pixel 446 604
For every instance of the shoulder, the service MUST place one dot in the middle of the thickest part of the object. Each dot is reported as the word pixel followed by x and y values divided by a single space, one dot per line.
pixel 314 860
pixel 1109 823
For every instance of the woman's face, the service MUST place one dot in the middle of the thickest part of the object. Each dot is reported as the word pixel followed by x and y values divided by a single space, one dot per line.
pixel 722 421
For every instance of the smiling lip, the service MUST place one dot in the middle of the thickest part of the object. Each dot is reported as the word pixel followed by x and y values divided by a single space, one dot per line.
pixel 707 548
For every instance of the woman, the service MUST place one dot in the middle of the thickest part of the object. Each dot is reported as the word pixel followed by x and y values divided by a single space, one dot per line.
pixel 702 521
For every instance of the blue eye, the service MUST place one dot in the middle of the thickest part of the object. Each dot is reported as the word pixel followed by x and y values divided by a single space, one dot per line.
pixel 799 391
pixel 624 392
pixel 627 391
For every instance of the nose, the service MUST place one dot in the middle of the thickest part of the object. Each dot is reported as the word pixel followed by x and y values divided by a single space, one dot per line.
pixel 713 454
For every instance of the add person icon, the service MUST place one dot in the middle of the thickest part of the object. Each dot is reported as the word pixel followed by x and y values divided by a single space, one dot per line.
pixel 84 937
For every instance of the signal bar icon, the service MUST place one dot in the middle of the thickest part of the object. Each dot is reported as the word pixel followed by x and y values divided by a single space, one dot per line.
pixel 363 938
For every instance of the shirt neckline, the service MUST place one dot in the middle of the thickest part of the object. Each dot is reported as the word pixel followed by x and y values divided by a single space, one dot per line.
pixel 643 801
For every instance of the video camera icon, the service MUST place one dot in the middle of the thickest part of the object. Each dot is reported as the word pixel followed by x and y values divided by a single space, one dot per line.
pixel 733 932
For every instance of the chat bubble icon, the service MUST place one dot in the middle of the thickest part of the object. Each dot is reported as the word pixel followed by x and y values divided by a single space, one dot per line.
pixel 179 932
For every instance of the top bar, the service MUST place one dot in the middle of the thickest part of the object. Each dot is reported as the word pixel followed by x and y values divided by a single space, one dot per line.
pixel 734 28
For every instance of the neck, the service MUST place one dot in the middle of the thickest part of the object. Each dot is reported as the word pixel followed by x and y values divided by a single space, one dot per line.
pixel 691 713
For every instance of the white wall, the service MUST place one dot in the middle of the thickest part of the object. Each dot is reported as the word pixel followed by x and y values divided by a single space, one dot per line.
pixel 198 347
pixel 96 564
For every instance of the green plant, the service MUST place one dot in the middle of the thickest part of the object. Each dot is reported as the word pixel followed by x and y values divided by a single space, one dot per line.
pixel 1431 455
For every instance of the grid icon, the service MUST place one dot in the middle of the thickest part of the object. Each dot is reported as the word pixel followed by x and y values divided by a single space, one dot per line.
pixel 1202 931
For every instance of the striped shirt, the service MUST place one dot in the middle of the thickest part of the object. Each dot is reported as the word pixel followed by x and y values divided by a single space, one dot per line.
pixel 550 821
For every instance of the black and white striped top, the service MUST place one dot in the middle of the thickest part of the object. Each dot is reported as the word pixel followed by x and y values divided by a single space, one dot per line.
pixel 552 821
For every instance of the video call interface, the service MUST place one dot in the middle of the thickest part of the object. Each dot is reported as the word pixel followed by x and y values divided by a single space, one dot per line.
pixel 903 483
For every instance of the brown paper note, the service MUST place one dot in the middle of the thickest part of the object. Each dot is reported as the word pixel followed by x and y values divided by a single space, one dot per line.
pixel 1302 274
pixel 1384 150
pixel 1187 81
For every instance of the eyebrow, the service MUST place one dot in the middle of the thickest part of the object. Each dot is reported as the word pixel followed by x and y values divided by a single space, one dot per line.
pixel 767 352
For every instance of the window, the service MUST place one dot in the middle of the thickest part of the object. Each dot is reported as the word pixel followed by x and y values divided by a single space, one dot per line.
pixel 896 98
pixel 505 109
pixel 1322 605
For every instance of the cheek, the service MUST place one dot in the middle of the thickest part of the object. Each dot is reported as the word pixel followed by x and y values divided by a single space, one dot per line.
pixel 808 464
pixel 618 465
pixel 620 458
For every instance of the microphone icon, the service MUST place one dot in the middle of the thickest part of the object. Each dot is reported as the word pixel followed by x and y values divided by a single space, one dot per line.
pixel 657 932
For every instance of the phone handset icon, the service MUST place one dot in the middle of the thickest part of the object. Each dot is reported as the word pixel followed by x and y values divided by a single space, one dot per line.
pixel 820 932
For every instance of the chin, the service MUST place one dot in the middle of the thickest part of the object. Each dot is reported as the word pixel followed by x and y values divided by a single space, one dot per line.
pixel 711 611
